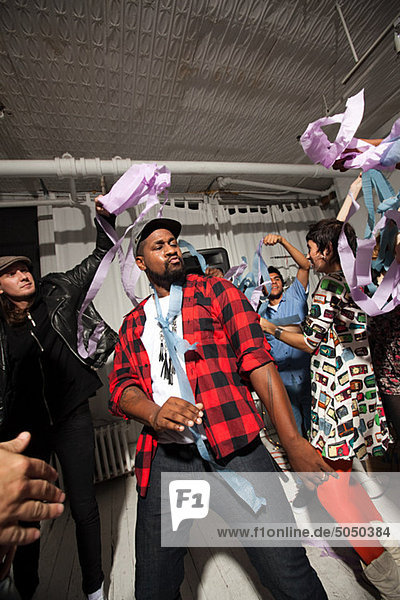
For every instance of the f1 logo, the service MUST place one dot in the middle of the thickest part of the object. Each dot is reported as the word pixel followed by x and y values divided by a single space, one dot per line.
pixel 189 499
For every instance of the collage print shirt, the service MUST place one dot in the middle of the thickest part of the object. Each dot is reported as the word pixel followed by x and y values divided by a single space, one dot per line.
pixel 347 417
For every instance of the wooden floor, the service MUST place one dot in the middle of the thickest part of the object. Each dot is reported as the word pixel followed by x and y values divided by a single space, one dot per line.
pixel 220 574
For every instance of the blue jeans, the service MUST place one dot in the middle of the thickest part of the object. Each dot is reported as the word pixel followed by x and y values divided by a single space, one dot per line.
pixel 300 399
pixel 286 572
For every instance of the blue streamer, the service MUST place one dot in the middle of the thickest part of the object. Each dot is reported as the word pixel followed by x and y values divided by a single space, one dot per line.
pixel 388 201
pixel 391 156
pixel 175 344
pixel 383 189
pixel 193 252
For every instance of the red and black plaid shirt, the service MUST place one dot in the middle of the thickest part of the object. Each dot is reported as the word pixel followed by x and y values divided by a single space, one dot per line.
pixel 230 345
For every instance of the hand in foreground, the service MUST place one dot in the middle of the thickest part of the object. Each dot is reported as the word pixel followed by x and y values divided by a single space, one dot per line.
pixel 26 492
pixel 176 414
pixel 100 210
pixel 271 239
pixel 213 272
pixel 308 463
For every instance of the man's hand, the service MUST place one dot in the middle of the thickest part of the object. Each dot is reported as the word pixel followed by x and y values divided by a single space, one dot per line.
pixel 267 326
pixel 302 456
pixel 213 272
pixel 26 492
pixel 176 414
pixel 100 210
pixel 271 239
pixel 307 462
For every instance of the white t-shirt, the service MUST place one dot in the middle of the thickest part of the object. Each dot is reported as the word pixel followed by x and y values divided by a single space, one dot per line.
pixel 274 306
pixel 162 390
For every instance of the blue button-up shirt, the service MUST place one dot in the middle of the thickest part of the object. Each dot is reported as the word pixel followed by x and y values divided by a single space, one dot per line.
pixel 293 364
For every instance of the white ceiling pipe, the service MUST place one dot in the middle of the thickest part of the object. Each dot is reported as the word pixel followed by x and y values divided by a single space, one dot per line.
pixel 95 167
pixel 224 182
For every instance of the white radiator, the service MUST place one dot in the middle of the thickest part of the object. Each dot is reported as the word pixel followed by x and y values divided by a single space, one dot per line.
pixel 112 453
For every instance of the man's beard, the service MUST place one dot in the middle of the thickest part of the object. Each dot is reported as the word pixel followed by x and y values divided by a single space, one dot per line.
pixel 165 279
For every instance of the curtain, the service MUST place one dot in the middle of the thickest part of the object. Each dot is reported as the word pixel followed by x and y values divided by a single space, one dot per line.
pixel 241 229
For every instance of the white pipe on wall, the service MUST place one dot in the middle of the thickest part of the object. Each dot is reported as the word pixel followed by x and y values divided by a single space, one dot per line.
pixel 224 182
pixel 95 167
pixel 19 202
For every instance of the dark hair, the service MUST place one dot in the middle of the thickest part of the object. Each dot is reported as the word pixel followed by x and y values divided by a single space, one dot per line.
pixel 328 231
pixel 11 313
pixel 275 270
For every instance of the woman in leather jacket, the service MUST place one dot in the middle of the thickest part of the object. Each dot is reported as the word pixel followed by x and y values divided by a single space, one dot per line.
pixel 44 389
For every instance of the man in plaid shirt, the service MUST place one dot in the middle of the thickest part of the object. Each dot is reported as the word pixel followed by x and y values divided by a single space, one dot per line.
pixel 230 356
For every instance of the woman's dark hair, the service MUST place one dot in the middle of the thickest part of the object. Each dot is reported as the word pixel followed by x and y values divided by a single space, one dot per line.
pixel 328 231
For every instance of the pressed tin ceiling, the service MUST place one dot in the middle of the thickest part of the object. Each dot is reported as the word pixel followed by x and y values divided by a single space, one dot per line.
pixel 199 80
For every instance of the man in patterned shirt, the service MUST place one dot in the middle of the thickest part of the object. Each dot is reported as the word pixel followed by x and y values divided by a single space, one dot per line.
pixel 230 356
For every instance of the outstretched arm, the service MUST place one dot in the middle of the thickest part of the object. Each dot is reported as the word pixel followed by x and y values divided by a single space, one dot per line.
pixel 354 190
pixel 304 266
pixel 292 338
pixel 302 456
pixel 81 275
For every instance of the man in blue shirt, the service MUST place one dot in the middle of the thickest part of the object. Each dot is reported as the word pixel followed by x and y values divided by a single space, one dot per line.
pixel 283 308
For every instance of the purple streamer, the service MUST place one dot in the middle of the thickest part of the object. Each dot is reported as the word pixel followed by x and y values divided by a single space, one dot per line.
pixel 236 271
pixel 315 142
pixel 317 146
pixel 140 184
pixel 357 269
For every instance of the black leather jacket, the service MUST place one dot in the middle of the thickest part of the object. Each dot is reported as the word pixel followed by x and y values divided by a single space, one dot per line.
pixel 63 294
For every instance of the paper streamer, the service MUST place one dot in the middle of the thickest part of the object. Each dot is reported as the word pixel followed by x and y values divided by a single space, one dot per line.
pixel 193 252
pixel 315 142
pixel 138 184
pixel 241 486
pixel 234 273
pixel 142 183
pixel 262 279
pixel 320 149
pixel 358 272
pixel 252 283
pixel 385 193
